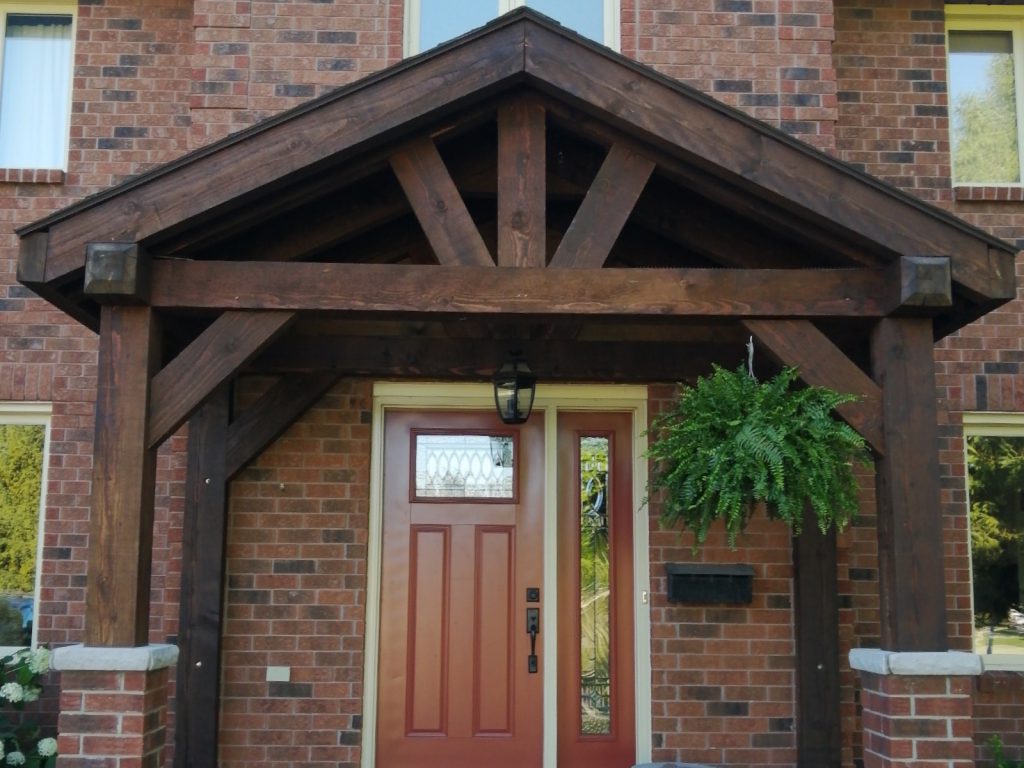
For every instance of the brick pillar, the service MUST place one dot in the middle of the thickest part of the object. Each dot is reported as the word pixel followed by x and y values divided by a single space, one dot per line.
pixel 916 708
pixel 113 705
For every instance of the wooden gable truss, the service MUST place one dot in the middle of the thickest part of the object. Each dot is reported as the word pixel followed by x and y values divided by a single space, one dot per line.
pixel 517 189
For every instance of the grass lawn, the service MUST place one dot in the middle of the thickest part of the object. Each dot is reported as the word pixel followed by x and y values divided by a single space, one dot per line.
pixel 1005 641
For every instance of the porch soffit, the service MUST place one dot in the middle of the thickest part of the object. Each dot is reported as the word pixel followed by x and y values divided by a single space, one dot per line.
pixel 520 145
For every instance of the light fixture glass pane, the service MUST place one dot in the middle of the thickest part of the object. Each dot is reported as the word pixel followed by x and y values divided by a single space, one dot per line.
pixel 983 108
pixel 441 20
pixel 583 16
pixel 595 588
pixel 460 466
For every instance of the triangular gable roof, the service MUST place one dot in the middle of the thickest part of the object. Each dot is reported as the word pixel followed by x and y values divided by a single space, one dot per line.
pixel 708 140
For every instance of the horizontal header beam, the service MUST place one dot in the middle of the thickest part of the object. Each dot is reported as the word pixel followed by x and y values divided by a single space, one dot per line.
pixel 492 291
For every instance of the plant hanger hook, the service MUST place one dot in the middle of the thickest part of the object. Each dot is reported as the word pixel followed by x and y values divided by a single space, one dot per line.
pixel 750 358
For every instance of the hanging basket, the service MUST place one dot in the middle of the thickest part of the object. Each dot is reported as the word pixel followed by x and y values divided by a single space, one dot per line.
pixel 731 443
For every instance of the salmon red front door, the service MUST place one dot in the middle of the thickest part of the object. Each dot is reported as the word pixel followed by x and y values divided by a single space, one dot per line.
pixel 461 679
pixel 463 515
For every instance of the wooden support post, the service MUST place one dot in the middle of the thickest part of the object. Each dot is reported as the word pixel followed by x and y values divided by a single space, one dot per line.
pixel 124 470
pixel 521 185
pixel 910 546
pixel 816 592
pixel 202 584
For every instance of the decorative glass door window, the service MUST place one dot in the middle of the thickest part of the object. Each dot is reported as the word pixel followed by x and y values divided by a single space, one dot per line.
pixel 595 588
pixel 464 466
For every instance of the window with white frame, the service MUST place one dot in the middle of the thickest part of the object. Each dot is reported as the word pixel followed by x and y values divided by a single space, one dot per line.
pixel 24 448
pixel 986 78
pixel 432 22
pixel 35 84
pixel 995 490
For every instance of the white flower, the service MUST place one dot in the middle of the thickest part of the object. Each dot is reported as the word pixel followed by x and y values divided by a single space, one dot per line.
pixel 31 694
pixel 15 758
pixel 39 661
pixel 12 692
pixel 46 747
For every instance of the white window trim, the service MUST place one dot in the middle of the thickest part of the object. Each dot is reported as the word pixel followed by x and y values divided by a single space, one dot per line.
pixel 992 424
pixel 994 19
pixel 30 414
pixel 411 26
pixel 46 7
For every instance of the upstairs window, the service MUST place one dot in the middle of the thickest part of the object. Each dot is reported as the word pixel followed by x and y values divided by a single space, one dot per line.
pixel 431 22
pixel 35 85
pixel 986 76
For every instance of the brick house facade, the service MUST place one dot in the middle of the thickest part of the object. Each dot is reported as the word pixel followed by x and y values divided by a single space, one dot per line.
pixel 864 82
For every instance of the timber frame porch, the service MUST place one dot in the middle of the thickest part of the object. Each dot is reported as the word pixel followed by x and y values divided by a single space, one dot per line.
pixel 519 188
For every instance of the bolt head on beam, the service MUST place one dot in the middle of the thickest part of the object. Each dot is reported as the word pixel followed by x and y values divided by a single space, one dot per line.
pixel 117 273
pixel 925 281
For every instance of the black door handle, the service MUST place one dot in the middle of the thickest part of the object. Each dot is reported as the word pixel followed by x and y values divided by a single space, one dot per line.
pixel 532 628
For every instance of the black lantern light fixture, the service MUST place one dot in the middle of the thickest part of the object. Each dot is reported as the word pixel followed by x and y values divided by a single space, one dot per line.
pixel 514 388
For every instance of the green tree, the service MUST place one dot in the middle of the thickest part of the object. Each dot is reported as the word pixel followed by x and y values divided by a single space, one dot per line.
pixel 985 128
pixel 21 476
pixel 996 481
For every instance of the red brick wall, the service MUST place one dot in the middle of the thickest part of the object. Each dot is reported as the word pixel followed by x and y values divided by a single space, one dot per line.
pixel 893 122
pixel 773 60
pixel 296 591
pixel 156 79
pixel 999 711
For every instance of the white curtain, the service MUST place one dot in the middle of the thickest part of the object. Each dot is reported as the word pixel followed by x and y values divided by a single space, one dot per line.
pixel 35 92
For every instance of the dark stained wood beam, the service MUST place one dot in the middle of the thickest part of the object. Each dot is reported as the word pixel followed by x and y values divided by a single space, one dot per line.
pixel 124 472
pixel 911 559
pixel 31 272
pixel 117 272
pixel 477 359
pixel 204 533
pixel 522 194
pixel 326 131
pixel 816 609
pixel 605 210
pixel 821 363
pixel 816 235
pixel 385 288
pixel 266 419
pixel 764 164
pixel 438 206
pixel 209 361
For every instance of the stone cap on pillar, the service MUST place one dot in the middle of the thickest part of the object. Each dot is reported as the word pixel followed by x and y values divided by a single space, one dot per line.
pixel 940 663
pixel 88 658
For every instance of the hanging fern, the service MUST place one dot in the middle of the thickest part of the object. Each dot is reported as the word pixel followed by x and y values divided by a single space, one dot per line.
pixel 731 442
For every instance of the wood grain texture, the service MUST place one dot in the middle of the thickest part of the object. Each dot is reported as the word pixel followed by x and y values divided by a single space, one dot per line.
pixel 717 139
pixel 116 272
pixel 438 206
pixel 522 169
pixel 124 466
pixel 910 546
pixel 202 585
pixel 209 361
pixel 387 288
pixel 266 419
pixel 822 364
pixel 605 210
pixel 816 606
pixel 476 359
pixel 329 130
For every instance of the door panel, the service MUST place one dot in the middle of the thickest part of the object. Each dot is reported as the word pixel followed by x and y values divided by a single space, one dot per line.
pixel 454 689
